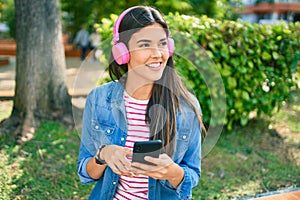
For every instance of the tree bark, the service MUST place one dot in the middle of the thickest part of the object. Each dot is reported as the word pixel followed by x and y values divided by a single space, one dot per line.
pixel 40 91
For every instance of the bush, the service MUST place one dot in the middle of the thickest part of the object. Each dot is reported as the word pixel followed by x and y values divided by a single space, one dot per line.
pixel 256 63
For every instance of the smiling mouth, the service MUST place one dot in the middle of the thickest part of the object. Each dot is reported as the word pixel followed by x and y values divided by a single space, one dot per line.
pixel 154 65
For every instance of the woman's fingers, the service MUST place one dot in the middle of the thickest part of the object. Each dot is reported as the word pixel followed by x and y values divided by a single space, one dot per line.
pixel 153 160
pixel 127 155
pixel 117 159
pixel 156 171
pixel 127 151
pixel 120 166
pixel 163 160
pixel 113 167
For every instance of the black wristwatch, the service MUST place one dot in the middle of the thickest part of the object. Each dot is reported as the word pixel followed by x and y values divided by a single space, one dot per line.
pixel 97 156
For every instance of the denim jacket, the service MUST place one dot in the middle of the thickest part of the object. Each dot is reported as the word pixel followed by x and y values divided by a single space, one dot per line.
pixel 104 122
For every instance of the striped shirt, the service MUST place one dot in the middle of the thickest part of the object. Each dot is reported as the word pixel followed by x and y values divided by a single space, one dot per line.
pixel 136 187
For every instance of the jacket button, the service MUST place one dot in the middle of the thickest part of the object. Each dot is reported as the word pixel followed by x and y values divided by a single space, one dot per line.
pixel 184 137
pixel 114 182
pixel 108 131
pixel 122 139
pixel 96 127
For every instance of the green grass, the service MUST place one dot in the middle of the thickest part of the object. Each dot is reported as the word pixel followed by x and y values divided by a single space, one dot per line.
pixel 246 162
pixel 44 168
pixel 262 156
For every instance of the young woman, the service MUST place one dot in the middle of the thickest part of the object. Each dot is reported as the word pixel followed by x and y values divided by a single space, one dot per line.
pixel 147 102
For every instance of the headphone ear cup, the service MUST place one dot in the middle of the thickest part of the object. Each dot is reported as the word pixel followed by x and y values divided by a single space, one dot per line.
pixel 120 53
pixel 171 46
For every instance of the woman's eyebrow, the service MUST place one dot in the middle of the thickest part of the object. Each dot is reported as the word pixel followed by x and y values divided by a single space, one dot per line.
pixel 145 40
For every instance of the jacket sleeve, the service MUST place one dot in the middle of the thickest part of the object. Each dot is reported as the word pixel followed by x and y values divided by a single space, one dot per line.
pixel 87 147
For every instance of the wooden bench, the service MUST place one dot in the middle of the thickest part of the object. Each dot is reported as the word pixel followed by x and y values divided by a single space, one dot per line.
pixel 4 61
pixel 8 48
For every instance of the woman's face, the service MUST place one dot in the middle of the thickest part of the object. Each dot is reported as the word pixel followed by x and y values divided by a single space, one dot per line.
pixel 148 54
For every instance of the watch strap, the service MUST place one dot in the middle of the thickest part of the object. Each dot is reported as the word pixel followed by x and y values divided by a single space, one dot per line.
pixel 97 157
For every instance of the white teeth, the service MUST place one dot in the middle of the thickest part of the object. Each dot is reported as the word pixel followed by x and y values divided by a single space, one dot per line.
pixel 154 65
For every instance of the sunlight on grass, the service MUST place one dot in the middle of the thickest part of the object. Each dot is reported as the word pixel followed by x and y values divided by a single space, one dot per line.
pixel 10 171
pixel 247 188
pixel 5 109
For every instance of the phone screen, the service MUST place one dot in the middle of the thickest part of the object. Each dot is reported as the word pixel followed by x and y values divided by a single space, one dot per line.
pixel 146 148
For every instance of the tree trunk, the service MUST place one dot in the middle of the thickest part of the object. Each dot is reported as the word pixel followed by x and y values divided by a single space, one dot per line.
pixel 40 92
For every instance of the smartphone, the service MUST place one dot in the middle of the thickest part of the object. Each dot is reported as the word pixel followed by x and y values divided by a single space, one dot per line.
pixel 146 148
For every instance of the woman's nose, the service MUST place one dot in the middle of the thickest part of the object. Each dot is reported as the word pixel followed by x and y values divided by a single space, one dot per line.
pixel 156 52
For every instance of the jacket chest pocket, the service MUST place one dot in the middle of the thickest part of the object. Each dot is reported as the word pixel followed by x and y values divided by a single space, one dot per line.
pixel 182 143
pixel 103 133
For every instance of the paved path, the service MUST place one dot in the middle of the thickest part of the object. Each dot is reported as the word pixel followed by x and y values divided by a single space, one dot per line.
pixel 81 77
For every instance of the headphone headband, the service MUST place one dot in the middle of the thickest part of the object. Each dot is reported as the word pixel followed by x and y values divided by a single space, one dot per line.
pixel 118 22
pixel 119 49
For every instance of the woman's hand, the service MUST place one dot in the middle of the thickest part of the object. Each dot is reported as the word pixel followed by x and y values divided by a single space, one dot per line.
pixel 164 169
pixel 116 158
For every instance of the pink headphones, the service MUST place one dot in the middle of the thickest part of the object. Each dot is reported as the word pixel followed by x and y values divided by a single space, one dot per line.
pixel 119 49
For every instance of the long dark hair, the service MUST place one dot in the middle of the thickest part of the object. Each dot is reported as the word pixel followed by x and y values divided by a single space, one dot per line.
pixel 167 92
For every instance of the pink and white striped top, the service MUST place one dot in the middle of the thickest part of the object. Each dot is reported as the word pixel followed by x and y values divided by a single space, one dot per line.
pixel 137 186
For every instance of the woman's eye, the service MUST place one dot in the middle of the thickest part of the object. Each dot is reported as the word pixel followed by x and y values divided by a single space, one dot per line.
pixel 144 45
pixel 163 43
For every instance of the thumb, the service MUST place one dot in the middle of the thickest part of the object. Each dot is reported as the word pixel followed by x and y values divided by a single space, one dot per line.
pixel 164 155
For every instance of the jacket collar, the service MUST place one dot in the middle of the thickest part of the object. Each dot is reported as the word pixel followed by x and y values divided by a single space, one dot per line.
pixel 115 98
pixel 115 94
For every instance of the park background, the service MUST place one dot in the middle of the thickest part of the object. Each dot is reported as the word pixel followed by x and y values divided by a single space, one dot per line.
pixel 258 150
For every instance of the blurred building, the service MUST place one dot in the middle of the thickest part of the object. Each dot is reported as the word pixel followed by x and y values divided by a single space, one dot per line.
pixel 270 11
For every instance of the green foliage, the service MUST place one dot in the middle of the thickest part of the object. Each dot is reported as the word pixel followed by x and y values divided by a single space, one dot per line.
pixel 257 63
pixel 172 6
pixel 88 12
pixel 207 7
pixel 7 14
pixel 228 9
pixel 76 14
